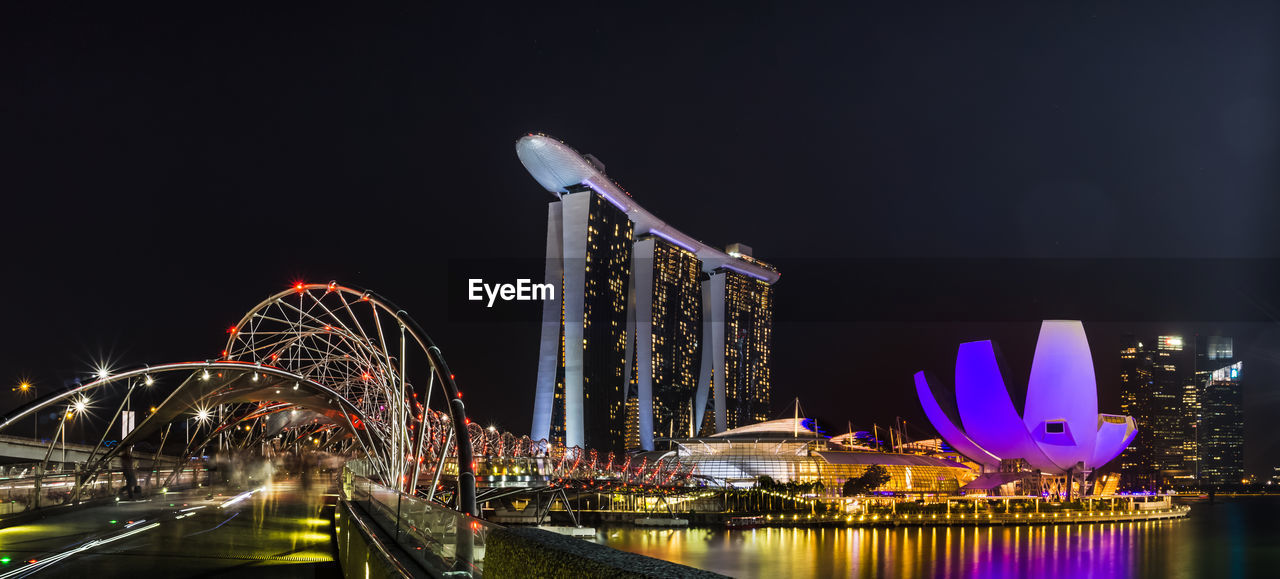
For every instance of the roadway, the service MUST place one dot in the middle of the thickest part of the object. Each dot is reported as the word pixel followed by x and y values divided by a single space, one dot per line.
pixel 277 529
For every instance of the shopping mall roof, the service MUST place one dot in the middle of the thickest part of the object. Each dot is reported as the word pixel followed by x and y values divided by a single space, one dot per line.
pixel 773 430
pixel 884 459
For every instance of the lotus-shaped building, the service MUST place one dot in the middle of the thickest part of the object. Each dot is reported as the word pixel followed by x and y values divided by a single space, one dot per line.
pixel 1059 430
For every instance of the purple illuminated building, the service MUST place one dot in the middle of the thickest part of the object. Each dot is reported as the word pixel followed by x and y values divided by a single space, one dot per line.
pixel 1059 431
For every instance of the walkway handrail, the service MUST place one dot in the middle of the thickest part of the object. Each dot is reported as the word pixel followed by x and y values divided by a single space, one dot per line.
pixel 435 537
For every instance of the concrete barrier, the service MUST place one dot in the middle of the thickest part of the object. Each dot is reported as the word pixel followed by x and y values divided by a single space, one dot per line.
pixel 529 552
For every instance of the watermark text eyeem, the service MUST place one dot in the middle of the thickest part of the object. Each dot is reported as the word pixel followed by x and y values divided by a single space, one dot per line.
pixel 522 291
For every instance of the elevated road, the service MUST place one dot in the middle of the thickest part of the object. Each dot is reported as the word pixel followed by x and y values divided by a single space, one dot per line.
pixel 16 449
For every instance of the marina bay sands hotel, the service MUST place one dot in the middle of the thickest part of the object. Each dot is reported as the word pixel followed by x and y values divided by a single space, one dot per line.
pixel 655 334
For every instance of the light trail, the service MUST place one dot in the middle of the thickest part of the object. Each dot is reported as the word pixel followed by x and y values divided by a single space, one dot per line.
pixel 240 497
pixel 206 530
pixel 42 564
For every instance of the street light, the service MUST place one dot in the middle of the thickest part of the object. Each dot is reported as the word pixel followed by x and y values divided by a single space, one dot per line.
pixel 24 387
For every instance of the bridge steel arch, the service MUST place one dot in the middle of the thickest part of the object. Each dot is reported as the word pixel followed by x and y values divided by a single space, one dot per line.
pixel 315 336
pixel 303 328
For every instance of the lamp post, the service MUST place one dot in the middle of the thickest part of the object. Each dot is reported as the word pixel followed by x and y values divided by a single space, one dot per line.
pixel 23 388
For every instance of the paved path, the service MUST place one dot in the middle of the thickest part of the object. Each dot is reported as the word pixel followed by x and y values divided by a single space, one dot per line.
pixel 278 530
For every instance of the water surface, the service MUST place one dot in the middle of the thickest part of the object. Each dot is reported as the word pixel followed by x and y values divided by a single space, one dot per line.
pixel 1231 538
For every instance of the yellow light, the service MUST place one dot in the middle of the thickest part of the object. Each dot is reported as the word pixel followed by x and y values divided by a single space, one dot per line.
pixel 24 386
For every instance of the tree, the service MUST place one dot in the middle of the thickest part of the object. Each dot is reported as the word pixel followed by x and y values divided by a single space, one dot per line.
pixel 871 479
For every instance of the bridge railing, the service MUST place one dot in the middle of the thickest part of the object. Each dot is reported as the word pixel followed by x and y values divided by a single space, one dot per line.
pixel 437 538
pixel 24 487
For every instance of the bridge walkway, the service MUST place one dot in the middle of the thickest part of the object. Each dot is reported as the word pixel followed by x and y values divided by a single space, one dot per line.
pixel 280 529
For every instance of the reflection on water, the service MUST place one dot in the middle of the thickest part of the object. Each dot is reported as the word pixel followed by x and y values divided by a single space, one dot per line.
pixel 1233 538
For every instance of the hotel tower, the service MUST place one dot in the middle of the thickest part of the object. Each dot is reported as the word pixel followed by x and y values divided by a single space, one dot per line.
pixel 654 334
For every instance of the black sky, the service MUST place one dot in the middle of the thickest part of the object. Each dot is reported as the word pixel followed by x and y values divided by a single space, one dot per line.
pixel 165 170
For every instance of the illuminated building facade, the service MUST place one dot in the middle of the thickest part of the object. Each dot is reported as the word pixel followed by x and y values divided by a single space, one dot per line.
pixel 790 450
pixel 582 359
pixel 1221 427
pixel 1156 380
pixel 739 321
pixel 633 320
pixel 1059 431
pixel 668 298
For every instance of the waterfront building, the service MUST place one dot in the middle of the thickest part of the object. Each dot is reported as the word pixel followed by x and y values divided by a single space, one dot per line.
pixel 642 307
pixel 1189 419
pixel 790 449
pixel 739 317
pixel 668 293
pixel 1222 427
pixel 1060 433
pixel 1157 389
pixel 582 358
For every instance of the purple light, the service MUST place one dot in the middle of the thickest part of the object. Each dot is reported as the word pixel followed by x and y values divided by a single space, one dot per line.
pixel 604 194
pixel 673 240
pixel 954 436
pixel 744 272
pixel 986 411
pixel 1062 392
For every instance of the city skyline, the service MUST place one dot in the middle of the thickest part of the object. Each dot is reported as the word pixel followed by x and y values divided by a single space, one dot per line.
pixel 749 294
pixel 1187 392
pixel 118 216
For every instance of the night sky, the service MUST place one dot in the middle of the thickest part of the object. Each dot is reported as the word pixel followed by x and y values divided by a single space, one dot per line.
pixel 905 166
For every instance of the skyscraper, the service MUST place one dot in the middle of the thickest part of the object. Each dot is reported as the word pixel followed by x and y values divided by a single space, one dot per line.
pixel 738 318
pixel 582 359
pixel 634 319
pixel 1154 375
pixel 668 294
pixel 1220 425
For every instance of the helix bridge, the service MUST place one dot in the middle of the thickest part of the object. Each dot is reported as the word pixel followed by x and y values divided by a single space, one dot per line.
pixel 340 370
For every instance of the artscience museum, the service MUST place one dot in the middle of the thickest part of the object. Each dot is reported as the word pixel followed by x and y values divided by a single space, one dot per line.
pixel 1055 441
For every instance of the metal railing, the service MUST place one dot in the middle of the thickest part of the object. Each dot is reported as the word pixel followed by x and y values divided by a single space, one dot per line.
pixel 439 539
pixel 24 487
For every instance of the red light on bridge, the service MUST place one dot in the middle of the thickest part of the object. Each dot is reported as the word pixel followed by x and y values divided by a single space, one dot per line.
pixel 232 330
pixel 298 287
